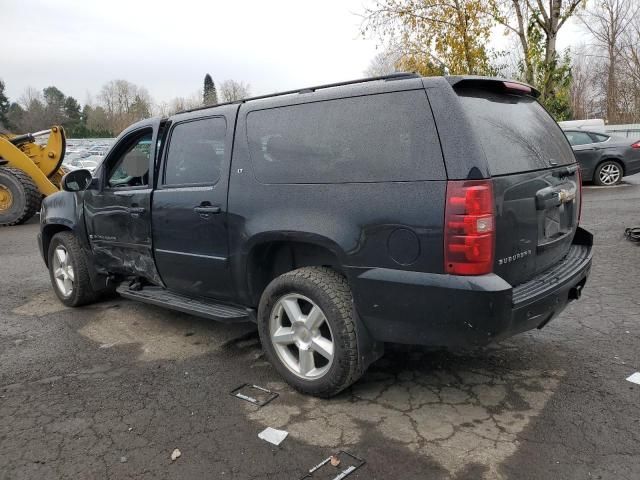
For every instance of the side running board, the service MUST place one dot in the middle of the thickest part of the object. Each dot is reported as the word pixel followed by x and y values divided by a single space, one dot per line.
pixel 175 301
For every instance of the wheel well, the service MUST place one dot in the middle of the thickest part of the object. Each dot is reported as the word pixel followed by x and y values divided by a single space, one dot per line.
pixel 47 234
pixel 270 260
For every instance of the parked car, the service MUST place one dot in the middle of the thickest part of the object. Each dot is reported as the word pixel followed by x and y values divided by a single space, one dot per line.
pixel 604 159
pixel 88 163
pixel 439 211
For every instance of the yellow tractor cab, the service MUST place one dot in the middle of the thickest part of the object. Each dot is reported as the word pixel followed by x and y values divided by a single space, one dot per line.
pixel 28 172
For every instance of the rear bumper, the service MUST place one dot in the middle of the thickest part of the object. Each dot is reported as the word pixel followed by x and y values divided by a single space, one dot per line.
pixel 447 310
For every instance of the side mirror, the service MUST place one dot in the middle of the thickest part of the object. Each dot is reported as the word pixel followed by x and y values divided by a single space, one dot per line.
pixel 76 181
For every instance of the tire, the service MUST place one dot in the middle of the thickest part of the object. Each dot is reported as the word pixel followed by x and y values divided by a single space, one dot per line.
pixel 81 292
pixel 311 287
pixel 19 197
pixel 608 173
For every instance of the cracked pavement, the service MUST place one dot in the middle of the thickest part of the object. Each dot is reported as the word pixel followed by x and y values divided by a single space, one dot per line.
pixel 109 390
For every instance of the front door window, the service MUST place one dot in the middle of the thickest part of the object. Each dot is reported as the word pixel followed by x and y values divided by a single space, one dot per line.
pixel 131 169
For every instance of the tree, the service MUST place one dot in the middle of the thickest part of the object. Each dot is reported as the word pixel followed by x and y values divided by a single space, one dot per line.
pixel 551 21
pixel 73 123
pixel 210 96
pixel 608 21
pixel 32 117
pixel 232 90
pixel 435 36
pixel 54 106
pixel 581 92
pixel 384 63
pixel 96 122
pixel 536 27
pixel 514 15
pixel 15 117
pixel 4 107
pixel 124 103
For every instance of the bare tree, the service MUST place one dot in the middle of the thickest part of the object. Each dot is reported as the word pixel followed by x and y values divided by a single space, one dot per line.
pixel 232 90
pixel 608 21
pixel 124 103
pixel 383 63
pixel 514 15
pixel 586 71
pixel 32 116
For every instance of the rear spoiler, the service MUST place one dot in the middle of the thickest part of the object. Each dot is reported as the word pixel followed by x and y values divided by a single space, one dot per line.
pixel 493 84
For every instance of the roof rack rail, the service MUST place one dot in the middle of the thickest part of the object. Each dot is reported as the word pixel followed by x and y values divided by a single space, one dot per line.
pixel 392 76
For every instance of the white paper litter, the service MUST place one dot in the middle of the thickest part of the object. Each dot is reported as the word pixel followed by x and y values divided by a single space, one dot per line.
pixel 175 455
pixel 272 435
pixel 634 378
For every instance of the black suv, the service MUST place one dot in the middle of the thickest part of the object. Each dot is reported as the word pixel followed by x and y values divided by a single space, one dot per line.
pixel 434 211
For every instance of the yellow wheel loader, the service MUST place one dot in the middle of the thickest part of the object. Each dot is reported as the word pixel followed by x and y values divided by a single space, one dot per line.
pixel 28 172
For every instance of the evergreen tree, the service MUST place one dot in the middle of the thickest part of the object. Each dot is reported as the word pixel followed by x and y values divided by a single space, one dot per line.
pixel 210 96
pixel 54 105
pixel 72 113
pixel 4 107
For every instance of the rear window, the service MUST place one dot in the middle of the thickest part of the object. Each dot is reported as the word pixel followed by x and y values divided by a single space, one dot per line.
pixel 383 137
pixel 516 132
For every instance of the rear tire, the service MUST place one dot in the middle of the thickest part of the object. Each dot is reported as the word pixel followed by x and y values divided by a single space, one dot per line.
pixel 68 271
pixel 608 173
pixel 19 197
pixel 291 350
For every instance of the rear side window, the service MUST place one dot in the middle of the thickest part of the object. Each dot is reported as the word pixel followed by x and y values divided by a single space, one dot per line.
pixel 579 138
pixel 598 137
pixel 516 132
pixel 374 138
pixel 196 152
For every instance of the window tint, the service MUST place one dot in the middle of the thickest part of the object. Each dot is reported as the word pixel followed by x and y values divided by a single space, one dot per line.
pixel 516 132
pixel 578 138
pixel 598 137
pixel 385 137
pixel 132 168
pixel 196 152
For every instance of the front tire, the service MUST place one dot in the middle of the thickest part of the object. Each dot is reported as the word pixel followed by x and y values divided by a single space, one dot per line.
pixel 307 329
pixel 68 271
pixel 608 173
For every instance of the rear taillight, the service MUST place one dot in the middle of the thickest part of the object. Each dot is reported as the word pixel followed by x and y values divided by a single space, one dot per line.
pixel 469 227
pixel 580 194
pixel 636 145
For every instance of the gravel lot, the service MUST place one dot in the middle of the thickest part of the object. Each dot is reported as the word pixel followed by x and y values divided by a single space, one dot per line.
pixel 110 390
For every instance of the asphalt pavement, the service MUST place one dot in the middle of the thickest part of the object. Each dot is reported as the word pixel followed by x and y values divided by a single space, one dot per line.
pixel 111 390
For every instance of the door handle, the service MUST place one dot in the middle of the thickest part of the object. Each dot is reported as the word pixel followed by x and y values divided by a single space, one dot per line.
pixel 136 210
pixel 206 209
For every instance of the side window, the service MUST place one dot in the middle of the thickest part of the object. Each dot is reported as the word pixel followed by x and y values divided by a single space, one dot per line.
pixel 196 152
pixel 578 138
pixel 131 169
pixel 374 138
pixel 598 137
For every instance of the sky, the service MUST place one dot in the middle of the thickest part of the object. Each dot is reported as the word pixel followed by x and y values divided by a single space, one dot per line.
pixel 168 46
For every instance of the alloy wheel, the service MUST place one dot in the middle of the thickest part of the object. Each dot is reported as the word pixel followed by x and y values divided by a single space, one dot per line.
pixel 610 174
pixel 63 271
pixel 301 336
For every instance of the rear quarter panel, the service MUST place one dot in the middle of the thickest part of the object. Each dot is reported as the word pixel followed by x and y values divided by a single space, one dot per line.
pixel 361 223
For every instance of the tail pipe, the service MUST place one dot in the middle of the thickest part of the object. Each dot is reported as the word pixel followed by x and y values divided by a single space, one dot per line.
pixel 576 292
